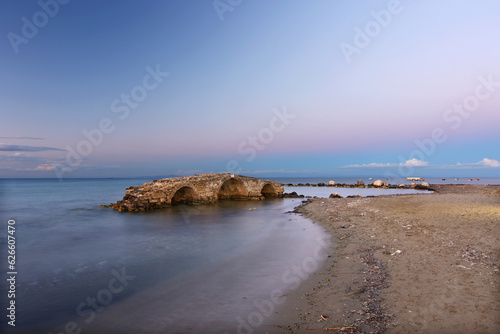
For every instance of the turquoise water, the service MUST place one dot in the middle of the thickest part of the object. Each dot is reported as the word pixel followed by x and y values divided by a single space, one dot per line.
pixel 187 269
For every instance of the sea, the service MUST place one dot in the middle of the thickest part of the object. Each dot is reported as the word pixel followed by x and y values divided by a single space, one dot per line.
pixel 218 268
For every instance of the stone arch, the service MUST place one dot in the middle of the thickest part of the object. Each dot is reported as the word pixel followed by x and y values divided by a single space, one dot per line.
pixel 233 188
pixel 268 191
pixel 184 195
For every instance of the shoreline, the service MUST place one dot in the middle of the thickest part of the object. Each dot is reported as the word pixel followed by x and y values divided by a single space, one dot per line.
pixel 403 263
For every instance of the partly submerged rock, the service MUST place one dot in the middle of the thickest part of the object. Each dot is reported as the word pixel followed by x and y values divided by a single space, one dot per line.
pixel 292 195
pixel 423 186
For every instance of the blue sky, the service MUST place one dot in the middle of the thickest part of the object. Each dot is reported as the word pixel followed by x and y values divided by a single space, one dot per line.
pixel 281 88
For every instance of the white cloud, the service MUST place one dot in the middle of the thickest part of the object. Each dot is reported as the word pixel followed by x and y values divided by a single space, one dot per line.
pixel 489 162
pixel 372 165
pixel 413 162
pixel 485 163
pixel 45 167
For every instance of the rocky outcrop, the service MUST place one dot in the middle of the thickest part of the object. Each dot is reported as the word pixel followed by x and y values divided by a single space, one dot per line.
pixel 361 184
pixel 422 186
pixel 196 189
pixel 293 194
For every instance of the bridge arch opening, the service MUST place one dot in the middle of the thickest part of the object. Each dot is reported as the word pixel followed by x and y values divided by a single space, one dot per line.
pixel 233 189
pixel 268 191
pixel 184 195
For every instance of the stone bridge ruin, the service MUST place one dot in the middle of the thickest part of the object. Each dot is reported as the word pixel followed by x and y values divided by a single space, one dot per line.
pixel 197 189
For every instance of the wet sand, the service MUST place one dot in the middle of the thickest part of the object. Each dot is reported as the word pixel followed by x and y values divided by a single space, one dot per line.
pixel 403 264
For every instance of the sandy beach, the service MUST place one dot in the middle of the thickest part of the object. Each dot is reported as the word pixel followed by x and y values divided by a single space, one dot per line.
pixel 426 263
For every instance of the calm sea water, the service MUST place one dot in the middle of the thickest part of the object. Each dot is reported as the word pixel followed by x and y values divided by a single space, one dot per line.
pixel 187 269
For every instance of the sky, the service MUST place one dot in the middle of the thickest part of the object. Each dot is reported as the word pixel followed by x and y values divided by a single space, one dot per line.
pixel 262 88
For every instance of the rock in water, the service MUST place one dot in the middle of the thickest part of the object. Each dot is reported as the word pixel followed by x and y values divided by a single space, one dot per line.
pixel 335 195
pixel 331 183
pixel 361 183
pixel 423 186
pixel 291 195
pixel 378 183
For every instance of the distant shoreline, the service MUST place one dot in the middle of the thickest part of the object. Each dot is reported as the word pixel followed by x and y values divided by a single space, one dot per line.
pixel 404 263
